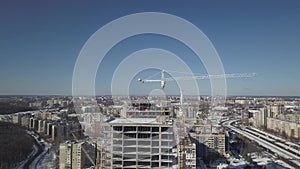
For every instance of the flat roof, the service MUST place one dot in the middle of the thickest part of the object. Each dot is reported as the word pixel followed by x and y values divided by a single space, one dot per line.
pixel 134 121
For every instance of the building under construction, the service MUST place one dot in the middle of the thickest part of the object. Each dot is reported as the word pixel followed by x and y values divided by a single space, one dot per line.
pixel 142 143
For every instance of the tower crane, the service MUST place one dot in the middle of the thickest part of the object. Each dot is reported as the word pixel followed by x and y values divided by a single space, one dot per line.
pixel 179 125
pixel 163 80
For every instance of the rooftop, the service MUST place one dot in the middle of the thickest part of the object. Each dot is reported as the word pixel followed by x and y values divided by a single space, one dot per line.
pixel 134 121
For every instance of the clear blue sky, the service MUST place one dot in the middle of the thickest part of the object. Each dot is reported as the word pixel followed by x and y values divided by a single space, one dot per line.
pixel 40 41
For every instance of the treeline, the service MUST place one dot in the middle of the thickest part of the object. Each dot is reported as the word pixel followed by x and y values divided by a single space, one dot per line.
pixel 13 107
pixel 16 145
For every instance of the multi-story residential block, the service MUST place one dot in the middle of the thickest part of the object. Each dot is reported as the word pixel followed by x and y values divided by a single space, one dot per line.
pixel 209 143
pixel 286 128
pixel 25 121
pixel 16 119
pixel 70 156
pixel 259 119
pixel 186 154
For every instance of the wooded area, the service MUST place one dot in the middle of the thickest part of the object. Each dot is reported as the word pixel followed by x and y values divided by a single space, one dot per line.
pixel 16 145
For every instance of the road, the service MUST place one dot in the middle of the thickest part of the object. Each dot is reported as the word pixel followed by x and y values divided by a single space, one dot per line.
pixel 47 160
pixel 265 142
pixel 37 149
pixel 30 156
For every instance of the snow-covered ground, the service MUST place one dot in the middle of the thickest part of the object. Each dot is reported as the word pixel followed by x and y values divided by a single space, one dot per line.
pixel 47 160
pixel 34 151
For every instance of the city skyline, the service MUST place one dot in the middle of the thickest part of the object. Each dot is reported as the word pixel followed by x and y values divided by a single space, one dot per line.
pixel 40 43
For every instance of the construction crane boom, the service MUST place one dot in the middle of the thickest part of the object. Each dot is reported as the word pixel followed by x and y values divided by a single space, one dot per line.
pixel 163 80
pixel 204 77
